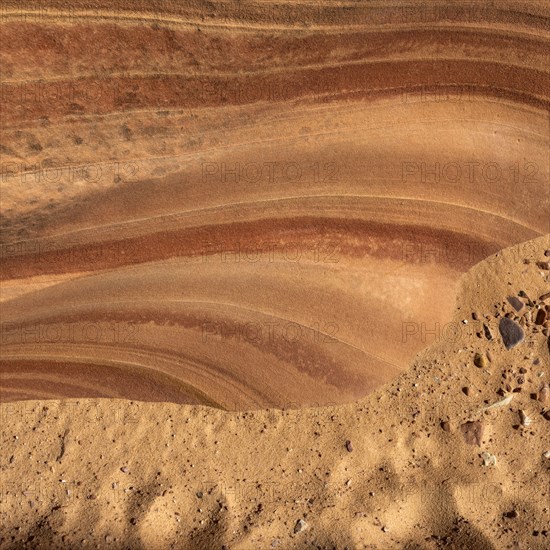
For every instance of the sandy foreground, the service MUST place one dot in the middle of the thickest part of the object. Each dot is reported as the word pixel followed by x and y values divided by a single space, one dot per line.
pixel 274 275
pixel 453 453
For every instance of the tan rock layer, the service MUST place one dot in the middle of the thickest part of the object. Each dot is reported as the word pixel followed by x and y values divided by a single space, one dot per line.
pixel 382 109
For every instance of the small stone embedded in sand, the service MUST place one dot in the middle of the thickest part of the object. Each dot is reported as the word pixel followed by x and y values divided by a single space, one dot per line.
pixel 349 446
pixel 488 459
pixel 487 332
pixel 124 470
pixel 516 303
pixel 445 426
pixel 546 415
pixel 512 334
pixel 541 317
pixel 546 454
pixel 502 403
pixel 133 521
pixel 511 515
pixel 544 297
pixel 466 390
pixel 523 418
pixel 543 265
pixel 472 432
pixel 543 393
pixel 480 360
pixel 300 526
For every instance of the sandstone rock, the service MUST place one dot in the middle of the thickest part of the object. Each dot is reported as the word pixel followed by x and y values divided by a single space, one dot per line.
pixel 472 432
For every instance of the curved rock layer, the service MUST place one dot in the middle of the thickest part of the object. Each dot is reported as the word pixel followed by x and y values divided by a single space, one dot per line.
pixel 260 204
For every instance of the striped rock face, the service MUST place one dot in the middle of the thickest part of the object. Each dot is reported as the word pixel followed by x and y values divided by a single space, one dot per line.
pixel 256 205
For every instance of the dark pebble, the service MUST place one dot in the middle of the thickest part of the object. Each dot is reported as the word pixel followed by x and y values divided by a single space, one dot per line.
pixel 349 446
pixel 512 334
pixel 541 317
pixel 516 303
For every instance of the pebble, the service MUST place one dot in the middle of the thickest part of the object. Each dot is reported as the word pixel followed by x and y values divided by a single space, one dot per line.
pixel 472 432
pixel 546 454
pixel 124 470
pixel 502 403
pixel 300 526
pixel 488 459
pixel 516 303
pixel 524 419
pixel 512 334
pixel 487 332
pixel 543 393
pixel 480 361
pixel 349 446
pixel 511 515
pixel 446 426
pixel 541 317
